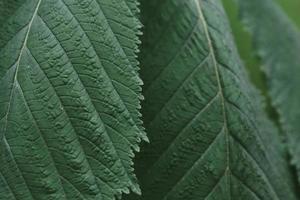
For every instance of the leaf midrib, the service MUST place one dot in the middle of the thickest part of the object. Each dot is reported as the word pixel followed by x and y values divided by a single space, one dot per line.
pixel 218 76
pixel 227 172
pixel 17 64
pixel 219 93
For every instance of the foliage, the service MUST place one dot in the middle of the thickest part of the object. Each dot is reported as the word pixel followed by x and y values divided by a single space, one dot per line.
pixel 69 100
pixel 71 82
pixel 279 52
pixel 209 136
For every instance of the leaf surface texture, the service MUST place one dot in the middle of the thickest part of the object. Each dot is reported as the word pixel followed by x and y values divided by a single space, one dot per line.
pixel 69 99
pixel 209 137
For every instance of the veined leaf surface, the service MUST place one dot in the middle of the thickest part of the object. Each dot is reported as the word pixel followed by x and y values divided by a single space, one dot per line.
pixel 277 41
pixel 134 6
pixel 209 137
pixel 69 99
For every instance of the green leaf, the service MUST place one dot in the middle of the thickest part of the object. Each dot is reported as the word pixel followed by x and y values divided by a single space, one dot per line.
pixel 134 6
pixel 209 137
pixel 277 42
pixel 69 99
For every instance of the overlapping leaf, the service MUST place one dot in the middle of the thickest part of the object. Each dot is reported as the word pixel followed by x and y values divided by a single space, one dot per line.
pixel 209 136
pixel 69 99
pixel 277 42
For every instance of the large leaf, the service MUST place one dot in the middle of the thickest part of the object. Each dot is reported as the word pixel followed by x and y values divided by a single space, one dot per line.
pixel 209 138
pixel 69 99
pixel 277 42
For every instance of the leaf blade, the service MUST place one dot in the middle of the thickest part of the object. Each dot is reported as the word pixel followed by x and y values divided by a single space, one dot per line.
pixel 71 105
pixel 192 155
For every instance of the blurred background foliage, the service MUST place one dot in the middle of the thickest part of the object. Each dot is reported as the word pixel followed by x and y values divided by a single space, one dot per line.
pixel 292 8
pixel 244 44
